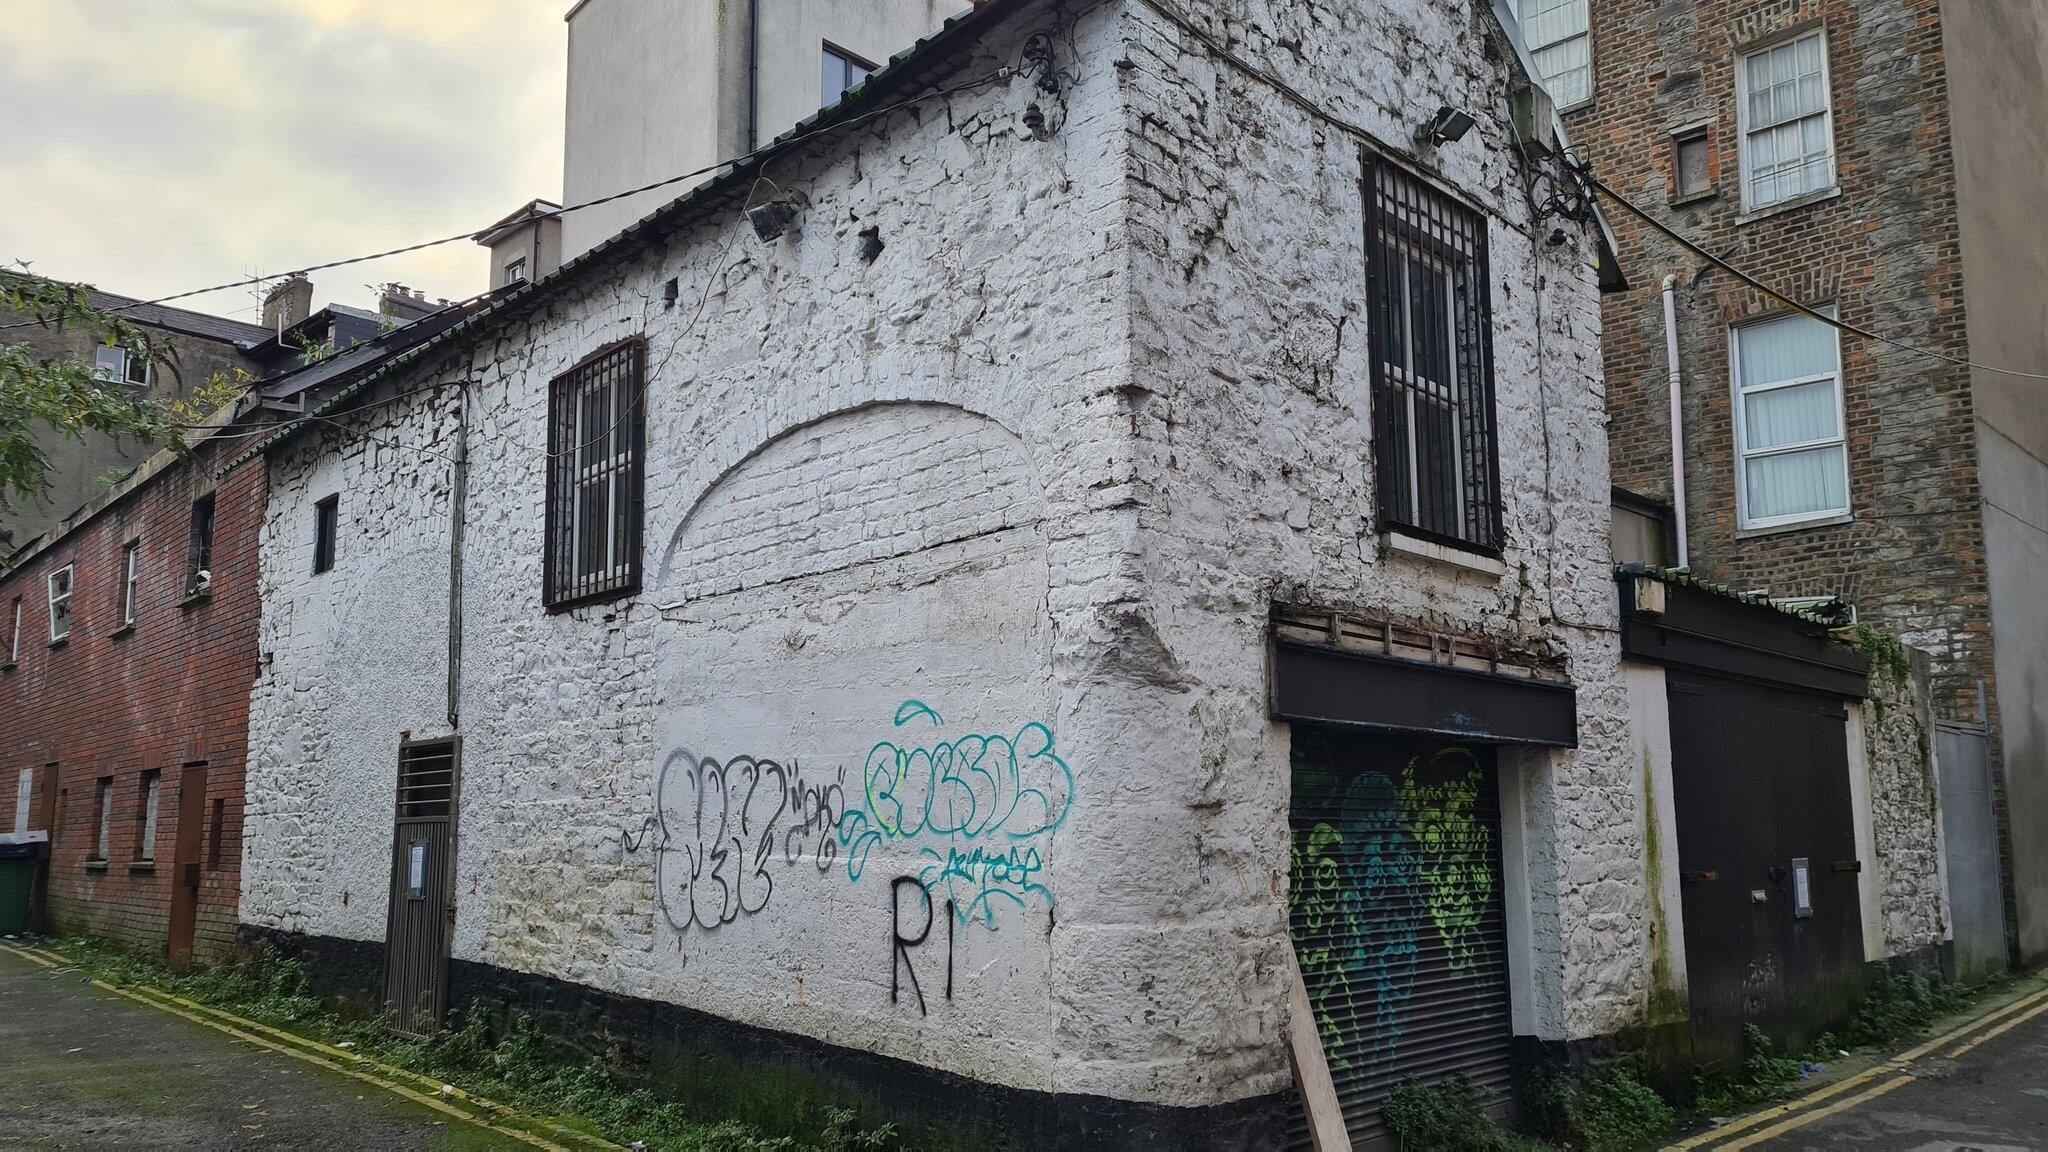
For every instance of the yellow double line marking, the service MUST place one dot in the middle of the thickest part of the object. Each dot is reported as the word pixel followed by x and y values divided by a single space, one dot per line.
pixel 324 1056
pixel 1890 1075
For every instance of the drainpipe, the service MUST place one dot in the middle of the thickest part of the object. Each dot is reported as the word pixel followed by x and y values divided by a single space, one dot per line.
pixel 753 75
pixel 459 502
pixel 1677 416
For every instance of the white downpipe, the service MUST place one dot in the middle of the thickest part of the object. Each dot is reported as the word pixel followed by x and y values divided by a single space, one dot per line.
pixel 1677 417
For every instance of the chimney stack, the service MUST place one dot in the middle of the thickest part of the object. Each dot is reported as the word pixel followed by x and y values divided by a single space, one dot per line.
pixel 406 305
pixel 287 304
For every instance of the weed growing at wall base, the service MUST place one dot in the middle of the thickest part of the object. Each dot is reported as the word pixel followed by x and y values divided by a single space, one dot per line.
pixel 1447 1116
pixel 508 1060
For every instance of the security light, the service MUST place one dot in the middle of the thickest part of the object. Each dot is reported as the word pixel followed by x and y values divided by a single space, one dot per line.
pixel 1448 126
pixel 772 219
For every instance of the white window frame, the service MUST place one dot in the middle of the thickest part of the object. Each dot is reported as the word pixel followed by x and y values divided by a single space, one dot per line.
pixel 1742 453
pixel 70 575
pixel 131 580
pixel 1536 47
pixel 1827 115
pixel 515 270
pixel 113 364
pixel 14 641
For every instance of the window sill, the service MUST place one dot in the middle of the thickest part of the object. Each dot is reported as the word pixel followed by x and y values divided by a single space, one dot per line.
pixel 95 865
pixel 123 631
pixel 1779 209
pixel 7 667
pixel 1830 520
pixel 1401 544
pixel 59 642
pixel 195 598
pixel 1700 197
pixel 142 866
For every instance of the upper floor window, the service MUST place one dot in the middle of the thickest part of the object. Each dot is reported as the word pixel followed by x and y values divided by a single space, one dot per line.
pixel 60 603
pixel 199 546
pixel 515 271
pixel 131 580
pixel 1788 135
pixel 1432 362
pixel 1561 44
pixel 121 366
pixel 596 445
pixel 843 73
pixel 326 526
pixel 1789 436
pixel 14 636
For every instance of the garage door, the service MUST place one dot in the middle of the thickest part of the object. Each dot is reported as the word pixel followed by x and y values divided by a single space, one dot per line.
pixel 1397 915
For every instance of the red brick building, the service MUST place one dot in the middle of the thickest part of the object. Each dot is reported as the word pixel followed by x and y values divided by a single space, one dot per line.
pixel 124 702
pixel 1871 159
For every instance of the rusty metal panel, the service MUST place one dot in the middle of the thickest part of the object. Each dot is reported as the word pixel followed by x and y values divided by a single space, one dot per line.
pixel 1398 918
pixel 422 912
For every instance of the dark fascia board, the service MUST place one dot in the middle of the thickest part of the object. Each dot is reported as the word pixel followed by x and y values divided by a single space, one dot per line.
pixel 1706 630
pixel 1318 684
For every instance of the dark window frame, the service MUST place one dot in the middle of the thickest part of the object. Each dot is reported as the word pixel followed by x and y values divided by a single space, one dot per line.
pixel 199 541
pixel 1430 249
pixel 326 531
pixel 847 63
pixel 585 450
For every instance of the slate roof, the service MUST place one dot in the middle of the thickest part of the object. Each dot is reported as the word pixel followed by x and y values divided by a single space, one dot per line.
pixel 183 320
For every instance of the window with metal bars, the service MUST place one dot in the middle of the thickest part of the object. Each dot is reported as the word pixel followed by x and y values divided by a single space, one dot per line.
pixel 596 449
pixel 1438 464
pixel 426 779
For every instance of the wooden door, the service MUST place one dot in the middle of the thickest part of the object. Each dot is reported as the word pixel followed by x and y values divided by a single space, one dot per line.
pixel 422 917
pixel 185 863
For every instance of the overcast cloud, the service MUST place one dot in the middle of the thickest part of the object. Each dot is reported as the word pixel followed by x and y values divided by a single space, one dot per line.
pixel 153 146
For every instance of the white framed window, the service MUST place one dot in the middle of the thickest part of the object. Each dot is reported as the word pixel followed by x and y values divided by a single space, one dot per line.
pixel 843 72
pixel 1560 42
pixel 152 789
pixel 131 580
pixel 1788 123
pixel 14 637
pixel 60 583
pixel 515 271
pixel 121 366
pixel 1790 444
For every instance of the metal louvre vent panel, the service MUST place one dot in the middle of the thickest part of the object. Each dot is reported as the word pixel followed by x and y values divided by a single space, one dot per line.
pixel 1398 918
pixel 426 780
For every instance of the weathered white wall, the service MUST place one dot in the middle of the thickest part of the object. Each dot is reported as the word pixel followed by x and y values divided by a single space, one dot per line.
pixel 1254 467
pixel 1904 883
pixel 1019 492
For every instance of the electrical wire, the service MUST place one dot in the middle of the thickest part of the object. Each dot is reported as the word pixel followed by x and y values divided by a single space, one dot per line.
pixel 1807 310
pixel 769 149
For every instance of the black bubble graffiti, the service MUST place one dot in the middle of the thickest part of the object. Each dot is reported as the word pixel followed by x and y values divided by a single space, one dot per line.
pixel 718 826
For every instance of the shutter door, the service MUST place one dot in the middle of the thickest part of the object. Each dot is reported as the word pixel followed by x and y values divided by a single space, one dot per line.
pixel 1398 919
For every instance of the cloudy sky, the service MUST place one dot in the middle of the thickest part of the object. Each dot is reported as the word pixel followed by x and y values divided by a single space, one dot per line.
pixel 152 146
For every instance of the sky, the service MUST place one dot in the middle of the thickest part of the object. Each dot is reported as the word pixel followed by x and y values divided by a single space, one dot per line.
pixel 154 146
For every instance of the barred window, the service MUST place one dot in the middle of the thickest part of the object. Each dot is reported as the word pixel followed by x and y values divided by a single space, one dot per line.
pixel 1432 362
pixel 596 445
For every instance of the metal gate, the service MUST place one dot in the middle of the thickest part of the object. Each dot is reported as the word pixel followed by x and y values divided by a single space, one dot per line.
pixel 1969 829
pixel 422 886
pixel 1767 853
pixel 1398 918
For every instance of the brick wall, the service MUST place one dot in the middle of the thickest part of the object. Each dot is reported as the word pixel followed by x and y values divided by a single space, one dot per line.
pixel 1885 252
pixel 114 703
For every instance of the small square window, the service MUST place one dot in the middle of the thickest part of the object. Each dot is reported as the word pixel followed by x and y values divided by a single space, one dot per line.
pixel 119 365
pixel 1693 171
pixel 60 603
pixel 515 272
pixel 326 523
pixel 843 73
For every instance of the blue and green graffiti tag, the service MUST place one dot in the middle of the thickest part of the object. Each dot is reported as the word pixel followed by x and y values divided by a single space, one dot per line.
pixel 1374 864
pixel 978 811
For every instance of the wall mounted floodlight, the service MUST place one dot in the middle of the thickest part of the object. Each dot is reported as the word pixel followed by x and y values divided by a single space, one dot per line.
pixel 1448 126
pixel 772 219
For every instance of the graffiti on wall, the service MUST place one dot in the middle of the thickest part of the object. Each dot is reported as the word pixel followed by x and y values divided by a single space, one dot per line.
pixel 1374 868
pixel 970 817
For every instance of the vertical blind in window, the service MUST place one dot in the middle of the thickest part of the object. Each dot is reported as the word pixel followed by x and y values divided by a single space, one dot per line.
pixel 1795 462
pixel 1561 45
pixel 1788 134
pixel 596 441
pixel 1432 362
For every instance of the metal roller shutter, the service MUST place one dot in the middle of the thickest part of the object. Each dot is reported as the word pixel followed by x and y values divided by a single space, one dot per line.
pixel 1398 919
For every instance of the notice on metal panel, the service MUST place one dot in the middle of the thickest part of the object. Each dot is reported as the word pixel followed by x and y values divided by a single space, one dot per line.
pixel 1802 889
pixel 416 871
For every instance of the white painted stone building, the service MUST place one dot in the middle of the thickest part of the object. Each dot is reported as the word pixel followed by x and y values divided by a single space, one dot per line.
pixel 934 731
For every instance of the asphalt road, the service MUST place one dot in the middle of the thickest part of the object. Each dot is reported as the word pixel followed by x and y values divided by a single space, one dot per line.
pixel 1994 1099
pixel 83 1068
